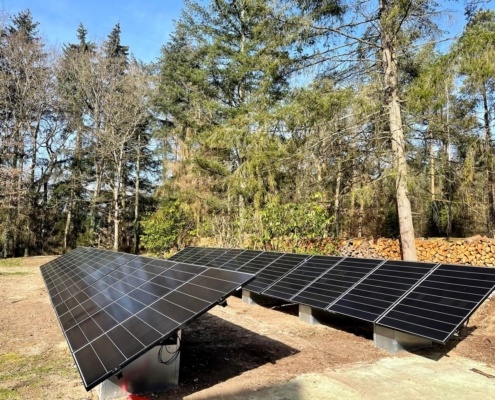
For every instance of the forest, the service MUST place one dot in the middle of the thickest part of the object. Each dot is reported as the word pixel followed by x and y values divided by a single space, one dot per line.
pixel 262 124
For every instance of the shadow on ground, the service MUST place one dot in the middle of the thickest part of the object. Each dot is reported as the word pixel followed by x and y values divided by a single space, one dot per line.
pixel 336 321
pixel 214 350
pixel 365 329
pixel 437 351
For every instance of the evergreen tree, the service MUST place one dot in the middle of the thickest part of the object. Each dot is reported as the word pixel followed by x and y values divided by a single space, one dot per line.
pixel 476 51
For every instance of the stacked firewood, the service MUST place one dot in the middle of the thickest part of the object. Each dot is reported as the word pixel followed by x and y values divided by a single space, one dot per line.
pixel 477 250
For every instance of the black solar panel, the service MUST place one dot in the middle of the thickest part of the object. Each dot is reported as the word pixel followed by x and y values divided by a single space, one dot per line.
pixel 274 271
pixel 196 254
pixel 223 258
pixel 210 257
pixel 418 298
pixel 241 259
pixel 296 280
pixel 134 305
pixel 258 263
pixel 66 279
pixel 182 254
pixel 339 277
pixel 440 304
pixel 373 295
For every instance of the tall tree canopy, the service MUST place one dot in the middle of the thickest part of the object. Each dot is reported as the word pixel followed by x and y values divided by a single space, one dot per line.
pixel 267 124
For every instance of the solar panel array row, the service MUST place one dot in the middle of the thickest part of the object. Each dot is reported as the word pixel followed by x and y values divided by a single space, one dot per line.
pixel 113 307
pixel 424 299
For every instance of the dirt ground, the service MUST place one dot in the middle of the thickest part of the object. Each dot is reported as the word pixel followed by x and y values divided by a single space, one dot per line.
pixel 246 352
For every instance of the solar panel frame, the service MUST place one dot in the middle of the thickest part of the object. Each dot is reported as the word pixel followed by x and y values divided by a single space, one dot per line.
pixel 224 258
pixel 441 319
pixel 241 259
pixel 211 256
pixel 348 276
pixel 196 254
pixel 369 290
pixel 289 286
pixel 180 255
pixel 381 302
pixel 275 270
pixel 95 333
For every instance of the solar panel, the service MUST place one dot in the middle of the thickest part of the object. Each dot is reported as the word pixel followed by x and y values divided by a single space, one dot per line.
pixel 258 263
pixel 340 276
pixel 223 258
pixel 196 254
pixel 374 294
pixel 179 256
pixel 210 257
pixel 439 305
pixel 66 279
pixel 134 304
pixel 241 259
pixel 419 298
pixel 274 271
pixel 300 277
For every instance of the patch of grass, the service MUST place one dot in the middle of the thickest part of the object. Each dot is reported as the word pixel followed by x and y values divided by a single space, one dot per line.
pixel 6 394
pixel 30 371
pixel 13 273
pixel 10 262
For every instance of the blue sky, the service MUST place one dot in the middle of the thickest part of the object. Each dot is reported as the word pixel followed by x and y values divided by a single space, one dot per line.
pixel 145 24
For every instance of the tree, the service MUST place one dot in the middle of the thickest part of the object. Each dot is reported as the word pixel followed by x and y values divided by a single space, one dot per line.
pixel 75 60
pixel 476 50
pixel 354 40
pixel 28 122
pixel 219 100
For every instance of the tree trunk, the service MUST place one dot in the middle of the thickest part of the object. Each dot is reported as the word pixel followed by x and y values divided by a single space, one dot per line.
pixel 489 166
pixel 116 195
pixel 67 226
pixel 136 196
pixel 432 167
pixel 94 204
pixel 392 103
pixel 336 199
pixel 76 176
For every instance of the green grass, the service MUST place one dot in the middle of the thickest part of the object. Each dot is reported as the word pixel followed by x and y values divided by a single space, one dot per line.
pixel 13 273
pixel 10 262
pixel 23 371
pixel 6 394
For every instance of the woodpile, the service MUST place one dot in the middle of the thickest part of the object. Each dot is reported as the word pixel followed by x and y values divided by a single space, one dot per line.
pixel 477 250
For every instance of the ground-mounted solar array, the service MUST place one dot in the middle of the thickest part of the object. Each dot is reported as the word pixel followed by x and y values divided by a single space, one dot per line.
pixel 113 307
pixel 380 289
pixel 424 299
pixel 436 307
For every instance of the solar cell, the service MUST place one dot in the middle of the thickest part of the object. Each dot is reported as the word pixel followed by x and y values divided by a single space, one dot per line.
pixel 241 259
pixel 196 254
pixel 274 270
pixel 182 254
pixel 258 263
pixel 309 269
pixel 209 257
pixel 66 279
pixel 340 275
pixel 135 303
pixel 439 305
pixel 225 257
pixel 379 290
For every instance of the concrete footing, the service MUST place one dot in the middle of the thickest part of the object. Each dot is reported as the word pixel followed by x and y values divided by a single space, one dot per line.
pixel 394 341
pixel 253 298
pixel 309 315
pixel 146 374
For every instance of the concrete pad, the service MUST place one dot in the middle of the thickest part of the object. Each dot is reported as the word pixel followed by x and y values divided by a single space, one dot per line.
pixel 398 378
pixel 395 341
